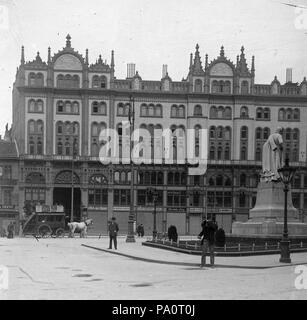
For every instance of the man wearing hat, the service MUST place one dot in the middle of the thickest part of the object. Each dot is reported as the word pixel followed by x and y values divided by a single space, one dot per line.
pixel 113 229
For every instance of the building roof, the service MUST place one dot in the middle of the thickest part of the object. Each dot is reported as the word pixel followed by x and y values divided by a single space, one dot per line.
pixel 8 149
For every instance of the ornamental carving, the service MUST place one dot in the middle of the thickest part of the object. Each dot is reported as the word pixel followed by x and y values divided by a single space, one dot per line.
pixel 65 177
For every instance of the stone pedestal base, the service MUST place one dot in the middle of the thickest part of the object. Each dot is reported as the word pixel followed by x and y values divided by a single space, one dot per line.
pixel 267 217
pixel 254 228
pixel 270 203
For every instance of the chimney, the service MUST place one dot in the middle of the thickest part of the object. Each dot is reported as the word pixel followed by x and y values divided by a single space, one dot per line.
pixel 130 70
pixel 164 71
pixel 289 75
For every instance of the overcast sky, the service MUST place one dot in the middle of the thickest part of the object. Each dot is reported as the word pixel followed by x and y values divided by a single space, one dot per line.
pixel 152 33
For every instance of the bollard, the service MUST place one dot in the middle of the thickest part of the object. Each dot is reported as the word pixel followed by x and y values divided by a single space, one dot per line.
pixel 195 245
pixel 253 247
pixel 301 244
pixel 266 246
pixel 278 244
pixel 225 247
pixel 239 247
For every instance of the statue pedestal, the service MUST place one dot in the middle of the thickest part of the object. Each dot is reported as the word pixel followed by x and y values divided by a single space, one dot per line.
pixel 267 217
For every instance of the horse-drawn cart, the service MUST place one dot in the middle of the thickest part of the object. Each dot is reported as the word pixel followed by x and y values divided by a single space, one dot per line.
pixel 45 222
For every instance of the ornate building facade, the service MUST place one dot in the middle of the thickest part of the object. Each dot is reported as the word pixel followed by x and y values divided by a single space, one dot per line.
pixel 60 107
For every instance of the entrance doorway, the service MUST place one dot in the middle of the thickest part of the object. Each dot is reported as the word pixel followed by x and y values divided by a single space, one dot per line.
pixel 62 196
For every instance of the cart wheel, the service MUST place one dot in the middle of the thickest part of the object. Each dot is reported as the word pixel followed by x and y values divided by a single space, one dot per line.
pixel 44 231
pixel 60 233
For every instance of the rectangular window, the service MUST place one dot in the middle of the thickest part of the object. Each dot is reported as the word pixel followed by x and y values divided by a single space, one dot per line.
pixel 122 197
pixel 7 197
pixel 97 197
pixel 176 198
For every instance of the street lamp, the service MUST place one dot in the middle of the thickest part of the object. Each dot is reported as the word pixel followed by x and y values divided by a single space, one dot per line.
pixel 152 195
pixel 286 174
pixel 74 151
pixel 130 235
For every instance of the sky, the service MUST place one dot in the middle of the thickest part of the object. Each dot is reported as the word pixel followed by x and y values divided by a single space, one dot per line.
pixel 153 33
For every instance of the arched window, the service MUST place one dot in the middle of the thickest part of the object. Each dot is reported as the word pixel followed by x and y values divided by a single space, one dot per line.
pixel 181 112
pixel 174 111
pixel 151 110
pixel 244 87
pixel 212 133
pixel 243 153
pixel 31 105
pixel 31 126
pixel 227 87
pixel 227 113
pixel 76 81
pixel 103 82
pixel 220 112
pixel 266 133
pixel 144 110
pixel 215 87
pixel 296 114
pixel 219 153
pixel 75 107
pixel 31 146
pixel 40 106
pixel 212 153
pixel 120 109
pixel 227 153
pixel 288 134
pixel 60 81
pixel 213 112
pixel 60 106
pixel 244 112
pixel 259 113
pixel 40 80
pixel 258 154
pixel 198 110
pixel 60 148
pixel 32 79
pixel 158 110
pixel 95 82
pixel 266 114
pixel 281 114
pixel 289 114
pixel 198 85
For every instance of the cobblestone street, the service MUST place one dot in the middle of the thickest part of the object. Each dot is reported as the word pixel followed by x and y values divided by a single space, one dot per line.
pixel 64 269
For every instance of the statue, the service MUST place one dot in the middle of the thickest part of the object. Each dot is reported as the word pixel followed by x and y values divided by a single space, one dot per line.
pixel 272 156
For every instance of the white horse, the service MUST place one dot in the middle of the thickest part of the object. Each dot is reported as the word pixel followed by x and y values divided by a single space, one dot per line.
pixel 79 227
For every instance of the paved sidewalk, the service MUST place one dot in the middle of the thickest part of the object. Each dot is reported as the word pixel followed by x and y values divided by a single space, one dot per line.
pixel 64 269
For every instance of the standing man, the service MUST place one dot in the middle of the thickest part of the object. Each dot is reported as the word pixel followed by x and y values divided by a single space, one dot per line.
pixel 10 230
pixel 207 237
pixel 113 229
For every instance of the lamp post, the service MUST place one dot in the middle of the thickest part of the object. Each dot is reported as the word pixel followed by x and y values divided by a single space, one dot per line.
pixel 130 235
pixel 286 174
pixel 152 194
pixel 74 151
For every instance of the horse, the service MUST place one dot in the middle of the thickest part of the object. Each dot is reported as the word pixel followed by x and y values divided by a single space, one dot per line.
pixel 79 227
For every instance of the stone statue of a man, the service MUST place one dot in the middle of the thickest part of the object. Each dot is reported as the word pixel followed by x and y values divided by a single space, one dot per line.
pixel 272 156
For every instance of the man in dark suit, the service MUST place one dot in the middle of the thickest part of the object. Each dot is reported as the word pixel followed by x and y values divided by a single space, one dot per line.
pixel 207 237
pixel 113 229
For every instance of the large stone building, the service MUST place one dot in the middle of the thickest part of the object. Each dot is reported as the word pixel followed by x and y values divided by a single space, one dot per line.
pixel 9 203
pixel 60 106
